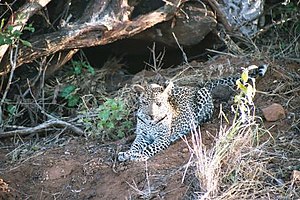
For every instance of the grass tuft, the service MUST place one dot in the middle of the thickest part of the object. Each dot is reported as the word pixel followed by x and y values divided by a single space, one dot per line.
pixel 237 166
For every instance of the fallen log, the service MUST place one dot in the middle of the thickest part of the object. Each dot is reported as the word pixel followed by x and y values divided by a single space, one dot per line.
pixel 110 24
pixel 52 123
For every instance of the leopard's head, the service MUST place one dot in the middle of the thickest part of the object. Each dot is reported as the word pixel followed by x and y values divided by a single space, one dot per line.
pixel 154 104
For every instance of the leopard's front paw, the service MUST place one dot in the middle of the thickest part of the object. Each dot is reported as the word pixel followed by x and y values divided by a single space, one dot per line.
pixel 123 156
pixel 138 157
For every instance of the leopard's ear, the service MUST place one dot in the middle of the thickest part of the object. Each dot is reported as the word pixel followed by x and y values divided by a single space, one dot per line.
pixel 160 80
pixel 138 88
pixel 169 87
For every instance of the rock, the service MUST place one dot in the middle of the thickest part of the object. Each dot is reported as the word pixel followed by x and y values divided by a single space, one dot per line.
pixel 273 112
pixel 191 26
pixel 244 15
pixel 185 150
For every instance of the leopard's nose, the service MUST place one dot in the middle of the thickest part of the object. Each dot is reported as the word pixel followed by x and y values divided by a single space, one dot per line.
pixel 151 114
pixel 151 117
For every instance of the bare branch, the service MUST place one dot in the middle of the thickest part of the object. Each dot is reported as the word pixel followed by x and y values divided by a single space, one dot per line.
pixel 96 32
pixel 48 124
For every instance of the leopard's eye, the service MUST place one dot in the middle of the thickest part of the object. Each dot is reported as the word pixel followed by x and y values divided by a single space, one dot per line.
pixel 143 101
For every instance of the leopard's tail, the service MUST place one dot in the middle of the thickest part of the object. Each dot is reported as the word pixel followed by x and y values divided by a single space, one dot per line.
pixel 231 81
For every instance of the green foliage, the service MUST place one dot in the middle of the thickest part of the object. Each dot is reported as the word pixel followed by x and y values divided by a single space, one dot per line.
pixel 11 35
pixel 11 109
pixel 110 122
pixel 79 66
pixel 70 92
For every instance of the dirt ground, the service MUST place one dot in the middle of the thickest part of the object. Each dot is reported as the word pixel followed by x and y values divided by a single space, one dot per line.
pixel 77 168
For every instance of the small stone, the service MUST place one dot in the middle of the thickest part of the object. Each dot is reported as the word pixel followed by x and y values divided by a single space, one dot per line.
pixel 274 112
pixel 3 186
pixel 185 150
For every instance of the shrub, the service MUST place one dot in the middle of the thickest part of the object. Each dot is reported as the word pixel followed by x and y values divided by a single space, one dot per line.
pixel 70 91
pixel 110 121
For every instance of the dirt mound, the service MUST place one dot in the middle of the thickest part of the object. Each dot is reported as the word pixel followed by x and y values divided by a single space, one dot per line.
pixel 85 169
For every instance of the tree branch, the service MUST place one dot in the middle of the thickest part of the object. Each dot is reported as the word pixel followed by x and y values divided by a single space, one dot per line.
pixel 96 32
pixel 50 123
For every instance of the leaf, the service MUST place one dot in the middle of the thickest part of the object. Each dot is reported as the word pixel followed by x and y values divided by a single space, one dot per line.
pixel 110 125
pixel 5 40
pixel 127 124
pixel 67 90
pixel 26 43
pixel 244 76
pixel 11 109
pixel 89 68
pixel 104 115
pixel 77 70
pixel 29 28
pixel 35 148
pixel 114 106
pixel 2 23
pixel 100 126
pixel 73 100
pixel 119 116
pixel 10 28
pixel 121 134
pixel 241 86
pixel 16 34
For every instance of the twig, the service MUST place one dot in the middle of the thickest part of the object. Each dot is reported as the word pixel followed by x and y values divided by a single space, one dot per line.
pixel 274 24
pixel 181 49
pixel 13 62
pixel 147 177
pixel 184 57
pixel 222 53
pixel 296 40
pixel 8 8
pixel 53 122
pixel 43 126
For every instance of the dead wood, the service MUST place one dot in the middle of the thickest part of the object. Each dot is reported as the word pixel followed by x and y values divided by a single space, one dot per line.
pixel 62 58
pixel 107 22
pixel 19 19
pixel 52 123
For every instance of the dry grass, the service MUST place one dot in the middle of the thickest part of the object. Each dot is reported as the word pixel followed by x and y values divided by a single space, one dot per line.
pixel 225 164
pixel 241 165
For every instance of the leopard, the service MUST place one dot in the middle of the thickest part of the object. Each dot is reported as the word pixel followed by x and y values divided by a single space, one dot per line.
pixel 168 112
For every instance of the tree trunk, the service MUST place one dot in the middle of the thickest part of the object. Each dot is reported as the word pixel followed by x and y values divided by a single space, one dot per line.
pixel 103 22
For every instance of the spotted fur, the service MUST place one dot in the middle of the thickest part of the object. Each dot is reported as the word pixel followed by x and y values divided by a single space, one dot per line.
pixel 166 114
